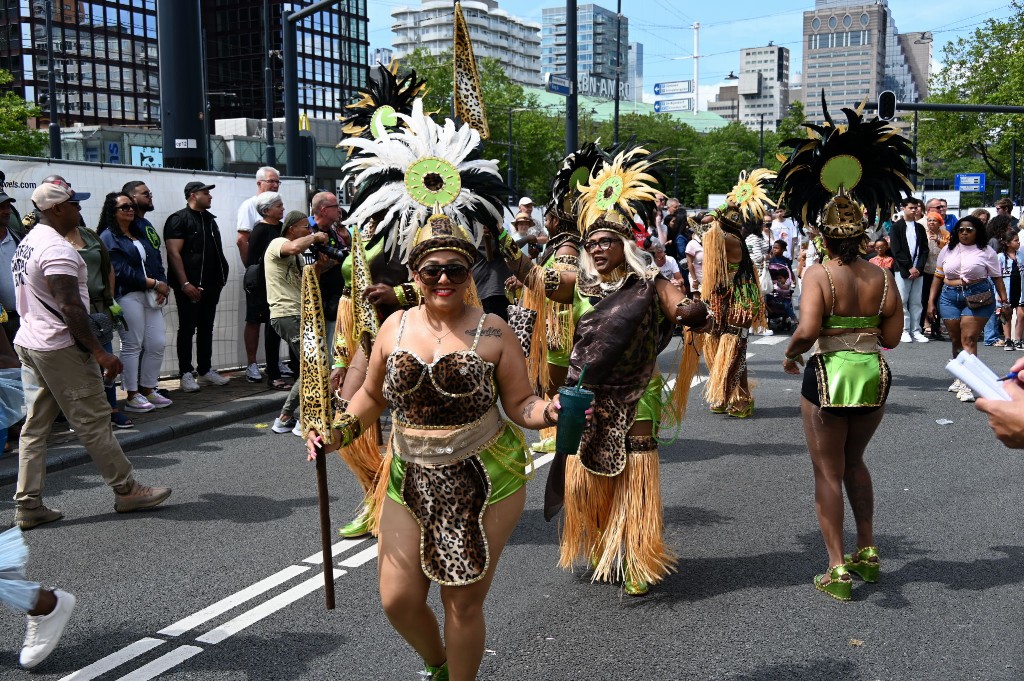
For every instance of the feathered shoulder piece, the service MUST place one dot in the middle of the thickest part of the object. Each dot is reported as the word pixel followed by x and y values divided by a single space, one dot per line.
pixel 866 161
pixel 419 170
pixel 380 101
pixel 621 188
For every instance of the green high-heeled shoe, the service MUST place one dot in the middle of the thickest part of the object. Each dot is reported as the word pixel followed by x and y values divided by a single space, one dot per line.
pixel 436 673
pixel 860 562
pixel 839 585
pixel 633 586
pixel 360 525
pixel 744 413
pixel 718 409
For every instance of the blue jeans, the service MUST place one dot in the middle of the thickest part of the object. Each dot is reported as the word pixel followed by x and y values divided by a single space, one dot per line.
pixel 993 330
pixel 953 301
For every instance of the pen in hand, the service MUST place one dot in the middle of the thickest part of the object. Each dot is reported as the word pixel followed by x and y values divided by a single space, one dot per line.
pixel 1008 377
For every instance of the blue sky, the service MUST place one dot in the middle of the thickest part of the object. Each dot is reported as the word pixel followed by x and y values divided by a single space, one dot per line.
pixel 664 27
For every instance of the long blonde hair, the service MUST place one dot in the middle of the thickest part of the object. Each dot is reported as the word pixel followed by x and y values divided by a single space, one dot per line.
pixel 637 261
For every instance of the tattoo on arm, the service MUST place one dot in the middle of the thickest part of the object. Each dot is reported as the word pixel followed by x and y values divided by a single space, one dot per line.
pixel 64 288
pixel 528 408
pixel 493 332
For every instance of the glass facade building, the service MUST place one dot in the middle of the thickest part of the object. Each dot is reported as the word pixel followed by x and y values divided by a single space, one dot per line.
pixel 595 46
pixel 105 55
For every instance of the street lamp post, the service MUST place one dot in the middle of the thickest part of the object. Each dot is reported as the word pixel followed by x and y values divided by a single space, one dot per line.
pixel 618 68
pixel 760 154
pixel 51 84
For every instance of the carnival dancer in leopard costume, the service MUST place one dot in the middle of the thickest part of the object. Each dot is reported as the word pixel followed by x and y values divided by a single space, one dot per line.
pixel 731 290
pixel 624 312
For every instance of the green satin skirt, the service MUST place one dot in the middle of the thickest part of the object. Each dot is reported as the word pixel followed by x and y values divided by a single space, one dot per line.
pixel 851 379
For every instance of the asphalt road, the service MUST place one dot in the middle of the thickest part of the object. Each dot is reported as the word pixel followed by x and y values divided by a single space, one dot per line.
pixel 739 512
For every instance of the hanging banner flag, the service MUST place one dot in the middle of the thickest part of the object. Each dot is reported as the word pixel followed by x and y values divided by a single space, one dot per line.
pixel 469 101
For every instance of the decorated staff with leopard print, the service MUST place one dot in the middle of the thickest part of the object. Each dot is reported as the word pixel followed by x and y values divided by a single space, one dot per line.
pixel 730 287
pixel 376 280
pixel 454 477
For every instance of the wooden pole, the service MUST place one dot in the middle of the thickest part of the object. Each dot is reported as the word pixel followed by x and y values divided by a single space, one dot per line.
pixel 325 526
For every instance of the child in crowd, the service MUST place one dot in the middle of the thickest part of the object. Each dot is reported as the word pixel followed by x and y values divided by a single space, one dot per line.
pixel 1009 245
pixel 882 256
pixel 782 290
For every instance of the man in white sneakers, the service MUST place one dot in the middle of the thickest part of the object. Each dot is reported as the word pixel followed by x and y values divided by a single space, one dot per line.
pixel 61 360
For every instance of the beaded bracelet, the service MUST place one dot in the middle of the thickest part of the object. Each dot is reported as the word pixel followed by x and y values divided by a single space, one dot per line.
pixel 350 428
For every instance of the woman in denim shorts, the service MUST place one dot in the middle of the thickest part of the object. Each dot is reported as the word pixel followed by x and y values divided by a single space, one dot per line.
pixel 966 267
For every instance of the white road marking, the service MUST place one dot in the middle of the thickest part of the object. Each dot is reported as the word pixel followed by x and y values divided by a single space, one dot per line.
pixel 162 664
pixel 342 546
pixel 263 610
pixel 364 556
pixel 114 660
pixel 770 340
pixel 235 599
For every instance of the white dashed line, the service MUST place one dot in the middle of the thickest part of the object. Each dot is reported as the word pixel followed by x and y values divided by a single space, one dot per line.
pixel 770 340
pixel 162 664
pixel 114 660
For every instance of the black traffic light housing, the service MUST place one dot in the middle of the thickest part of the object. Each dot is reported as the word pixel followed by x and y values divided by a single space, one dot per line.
pixel 887 105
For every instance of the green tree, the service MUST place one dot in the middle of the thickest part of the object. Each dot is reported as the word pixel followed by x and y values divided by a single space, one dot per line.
pixel 984 68
pixel 16 138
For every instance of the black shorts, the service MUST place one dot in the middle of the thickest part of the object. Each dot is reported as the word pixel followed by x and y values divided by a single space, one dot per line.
pixel 257 311
pixel 809 391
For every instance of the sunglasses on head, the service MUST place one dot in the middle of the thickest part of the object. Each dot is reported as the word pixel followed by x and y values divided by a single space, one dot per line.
pixel 604 244
pixel 431 274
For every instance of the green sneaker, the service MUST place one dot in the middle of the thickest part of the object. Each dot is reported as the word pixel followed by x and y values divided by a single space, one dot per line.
pixel 360 525
pixel 545 446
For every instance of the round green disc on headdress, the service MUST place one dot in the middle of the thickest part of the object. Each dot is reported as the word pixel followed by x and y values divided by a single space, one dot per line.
pixel 383 118
pixel 578 177
pixel 841 172
pixel 433 181
pixel 609 192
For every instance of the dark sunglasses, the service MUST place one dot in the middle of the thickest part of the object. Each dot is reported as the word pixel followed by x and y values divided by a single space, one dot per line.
pixel 126 208
pixel 431 274
pixel 965 230
pixel 604 244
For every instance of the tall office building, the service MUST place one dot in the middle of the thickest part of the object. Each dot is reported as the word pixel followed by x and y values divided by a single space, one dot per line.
pixel 853 51
pixel 763 86
pixel 106 58
pixel 332 50
pixel 635 72
pixel 514 42
pixel 597 36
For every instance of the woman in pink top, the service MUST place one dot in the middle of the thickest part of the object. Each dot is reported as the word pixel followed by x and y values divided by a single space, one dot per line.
pixel 964 272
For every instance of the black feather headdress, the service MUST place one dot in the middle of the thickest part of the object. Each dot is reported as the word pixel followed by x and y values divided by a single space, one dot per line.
pixel 380 101
pixel 864 161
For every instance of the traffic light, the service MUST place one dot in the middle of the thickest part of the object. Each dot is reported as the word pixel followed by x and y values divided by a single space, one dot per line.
pixel 887 105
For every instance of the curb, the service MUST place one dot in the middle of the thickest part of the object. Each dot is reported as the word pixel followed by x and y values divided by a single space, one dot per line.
pixel 189 423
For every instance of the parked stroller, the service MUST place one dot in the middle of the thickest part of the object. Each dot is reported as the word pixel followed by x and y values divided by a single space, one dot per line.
pixel 779 303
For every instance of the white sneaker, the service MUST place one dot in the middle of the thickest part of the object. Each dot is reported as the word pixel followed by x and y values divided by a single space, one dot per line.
pixel 284 369
pixel 188 382
pixel 44 631
pixel 955 386
pixel 767 332
pixel 138 404
pixel 211 377
pixel 905 338
pixel 158 400
pixel 283 426
pixel 252 373
pixel 965 394
pixel 920 337
pixel 297 430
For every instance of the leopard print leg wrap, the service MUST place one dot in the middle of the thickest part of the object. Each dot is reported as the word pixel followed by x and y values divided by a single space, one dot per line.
pixel 449 502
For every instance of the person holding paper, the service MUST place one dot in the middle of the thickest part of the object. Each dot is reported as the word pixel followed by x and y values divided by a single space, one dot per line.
pixel 1006 418
pixel 962 294
pixel 850 310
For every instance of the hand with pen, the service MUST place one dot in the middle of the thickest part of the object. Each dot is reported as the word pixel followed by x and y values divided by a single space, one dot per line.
pixel 1007 418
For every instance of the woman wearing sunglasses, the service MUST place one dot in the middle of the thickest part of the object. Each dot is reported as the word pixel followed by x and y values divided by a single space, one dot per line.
pixel 457 470
pixel 961 294
pixel 624 313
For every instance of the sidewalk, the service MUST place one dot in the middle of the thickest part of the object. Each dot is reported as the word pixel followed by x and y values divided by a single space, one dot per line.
pixel 211 407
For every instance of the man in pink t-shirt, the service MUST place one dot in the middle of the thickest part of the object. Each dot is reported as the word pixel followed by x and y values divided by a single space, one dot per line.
pixel 61 360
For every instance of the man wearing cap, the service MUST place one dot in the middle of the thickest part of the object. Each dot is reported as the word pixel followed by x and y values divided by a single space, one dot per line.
pixel 282 265
pixel 526 206
pixel 8 242
pixel 61 360
pixel 527 235
pixel 199 271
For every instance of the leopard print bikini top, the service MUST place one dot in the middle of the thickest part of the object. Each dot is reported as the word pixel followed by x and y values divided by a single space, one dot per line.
pixel 455 389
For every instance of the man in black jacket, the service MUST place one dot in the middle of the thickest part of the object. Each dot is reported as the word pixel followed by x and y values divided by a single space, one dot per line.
pixel 909 244
pixel 199 271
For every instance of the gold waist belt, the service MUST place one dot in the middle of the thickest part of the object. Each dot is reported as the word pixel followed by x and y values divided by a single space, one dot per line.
pixel 856 342
pixel 437 450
